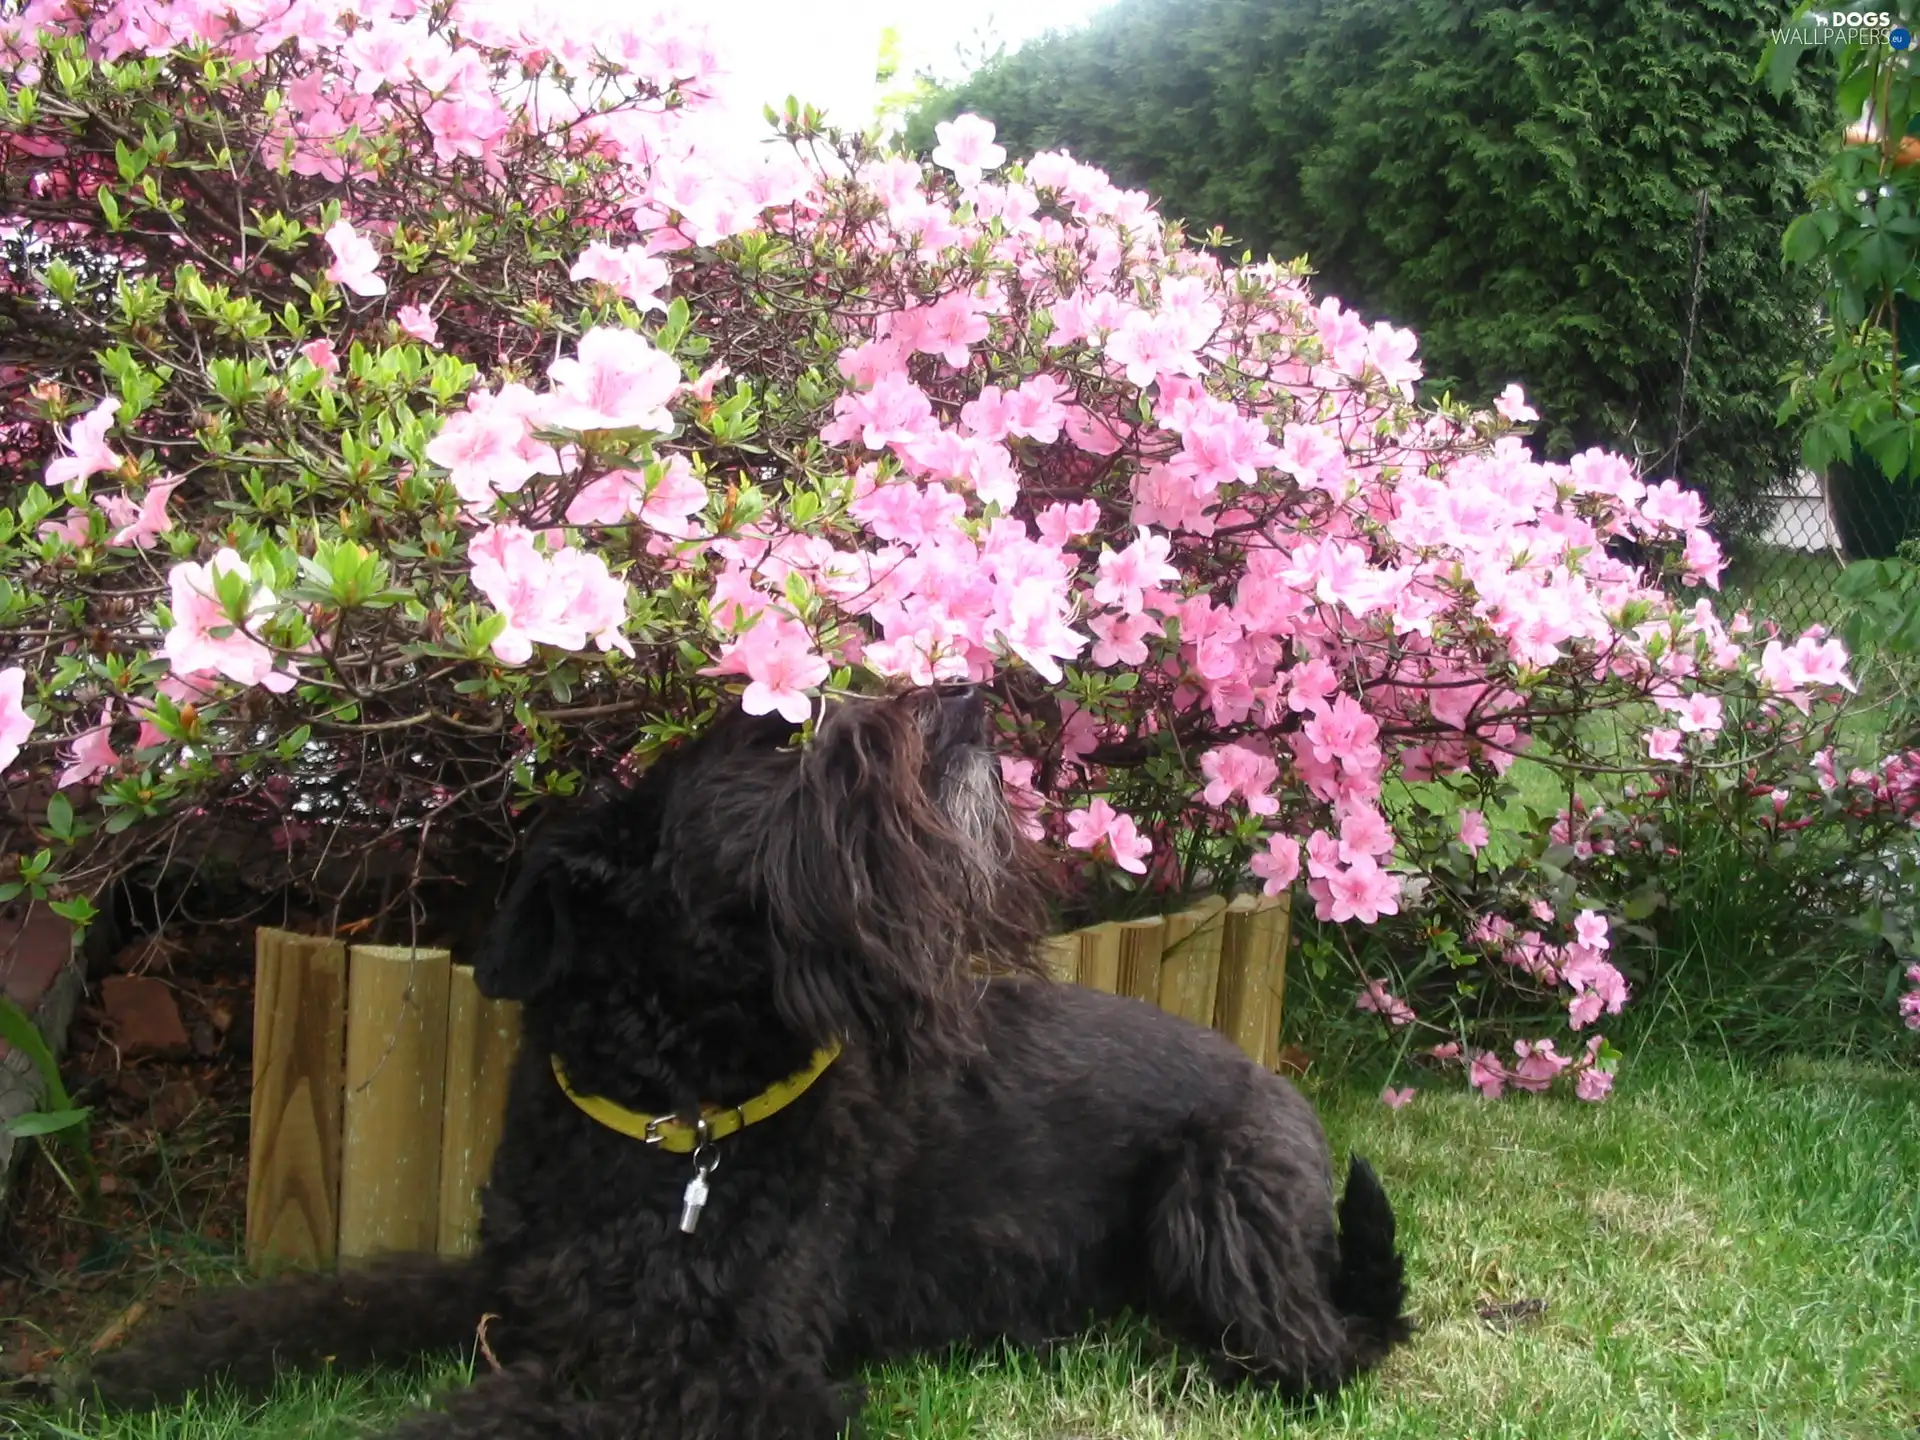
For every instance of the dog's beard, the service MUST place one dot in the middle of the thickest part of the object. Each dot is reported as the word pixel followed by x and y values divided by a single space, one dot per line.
pixel 971 796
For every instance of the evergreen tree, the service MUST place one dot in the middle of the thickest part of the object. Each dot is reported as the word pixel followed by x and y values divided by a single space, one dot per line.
pixel 1586 196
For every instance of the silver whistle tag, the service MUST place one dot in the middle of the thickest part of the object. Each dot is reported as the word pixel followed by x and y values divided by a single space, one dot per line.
pixel 693 1201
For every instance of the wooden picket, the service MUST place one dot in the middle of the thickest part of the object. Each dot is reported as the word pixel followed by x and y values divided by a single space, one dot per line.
pixel 380 1074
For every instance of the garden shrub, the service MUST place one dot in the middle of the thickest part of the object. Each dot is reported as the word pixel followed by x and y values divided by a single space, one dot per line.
pixel 413 423
pixel 1586 195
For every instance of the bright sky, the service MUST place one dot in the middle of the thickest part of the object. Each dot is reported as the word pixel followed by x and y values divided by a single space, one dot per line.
pixel 826 52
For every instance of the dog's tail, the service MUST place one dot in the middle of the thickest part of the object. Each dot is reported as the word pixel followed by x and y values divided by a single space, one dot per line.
pixel 1370 1287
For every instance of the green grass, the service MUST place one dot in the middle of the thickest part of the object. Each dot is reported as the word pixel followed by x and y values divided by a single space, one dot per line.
pixel 1722 1251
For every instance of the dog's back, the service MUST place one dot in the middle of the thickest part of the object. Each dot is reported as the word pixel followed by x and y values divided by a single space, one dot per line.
pixel 1099 1154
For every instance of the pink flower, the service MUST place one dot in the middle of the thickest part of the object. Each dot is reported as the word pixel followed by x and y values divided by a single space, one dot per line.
pixel 1538 1065
pixel 1664 744
pixel 616 381
pixel 320 354
pixel 1242 770
pixel 15 724
pixel 966 148
pixel 1121 639
pixel 1035 411
pixel 1487 1075
pixel 1278 864
pixel 894 412
pixel 1364 834
pixel 354 260
pixel 1809 661
pixel 562 599
pixel 1909 1002
pixel 702 387
pixel 1592 1085
pixel 1376 999
pixel 1127 575
pixel 139 524
pixel 418 322
pixel 629 271
pixel 1512 405
pixel 1394 1099
pixel 1473 830
pixel 92 753
pixel 1362 891
pixel 1099 822
pixel 781 665
pixel 208 637
pixel 1591 927
pixel 1699 714
pixel 86 439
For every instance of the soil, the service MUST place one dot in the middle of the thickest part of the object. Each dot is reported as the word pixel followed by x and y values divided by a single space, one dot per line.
pixel 168 1145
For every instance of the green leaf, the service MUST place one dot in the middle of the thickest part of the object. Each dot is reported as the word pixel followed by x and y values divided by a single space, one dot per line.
pixel 60 815
pixel 19 1031
pixel 46 1122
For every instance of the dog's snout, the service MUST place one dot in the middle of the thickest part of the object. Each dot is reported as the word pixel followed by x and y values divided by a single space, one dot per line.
pixel 964 709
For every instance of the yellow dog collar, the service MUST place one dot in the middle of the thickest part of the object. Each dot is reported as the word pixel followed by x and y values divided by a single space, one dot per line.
pixel 683 1137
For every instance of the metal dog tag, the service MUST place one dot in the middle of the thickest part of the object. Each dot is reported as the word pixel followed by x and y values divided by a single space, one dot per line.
pixel 693 1201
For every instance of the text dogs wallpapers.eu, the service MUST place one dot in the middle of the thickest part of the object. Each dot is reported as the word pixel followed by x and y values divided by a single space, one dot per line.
pixel 910 1156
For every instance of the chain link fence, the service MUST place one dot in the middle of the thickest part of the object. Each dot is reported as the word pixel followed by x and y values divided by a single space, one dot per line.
pixel 1814 530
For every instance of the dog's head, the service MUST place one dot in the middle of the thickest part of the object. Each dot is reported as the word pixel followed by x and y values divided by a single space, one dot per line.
pixel 851 882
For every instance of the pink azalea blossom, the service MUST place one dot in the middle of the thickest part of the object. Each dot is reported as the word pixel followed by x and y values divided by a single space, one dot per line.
pixel 206 640
pixel 781 663
pixel 139 524
pixel 563 598
pixel 354 260
pixel 1242 770
pixel 1278 865
pixel 1127 576
pixel 615 381
pixel 1395 1099
pixel 320 354
pixel 1909 1002
pixel 86 443
pixel 1376 999
pixel 15 724
pixel 418 322
pixel 1364 834
pixel 966 148
pixel 628 270
pixel 1592 1084
pixel 1591 927
pixel 1487 1075
pixel 92 753
pixel 1664 744
pixel 1098 823
pixel 1512 405
pixel 1474 833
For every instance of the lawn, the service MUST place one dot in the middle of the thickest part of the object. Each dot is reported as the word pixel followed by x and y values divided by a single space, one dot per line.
pixel 1719 1251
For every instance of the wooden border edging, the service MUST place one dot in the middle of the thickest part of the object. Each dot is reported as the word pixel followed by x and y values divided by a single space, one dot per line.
pixel 380 1074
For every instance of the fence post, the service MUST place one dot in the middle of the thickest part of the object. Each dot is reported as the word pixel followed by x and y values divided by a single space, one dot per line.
pixel 1141 945
pixel 1246 954
pixel 1061 956
pixel 294 1132
pixel 483 1036
pixel 1100 957
pixel 1280 925
pixel 396 1090
pixel 1190 964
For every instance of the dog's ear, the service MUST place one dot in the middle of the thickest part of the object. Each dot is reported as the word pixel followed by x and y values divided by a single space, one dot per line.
pixel 870 935
pixel 533 940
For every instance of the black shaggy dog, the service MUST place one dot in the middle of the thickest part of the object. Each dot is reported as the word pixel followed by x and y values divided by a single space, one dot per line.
pixel 979 1160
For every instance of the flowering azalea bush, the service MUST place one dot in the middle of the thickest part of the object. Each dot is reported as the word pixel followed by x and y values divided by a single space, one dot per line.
pixel 416 414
